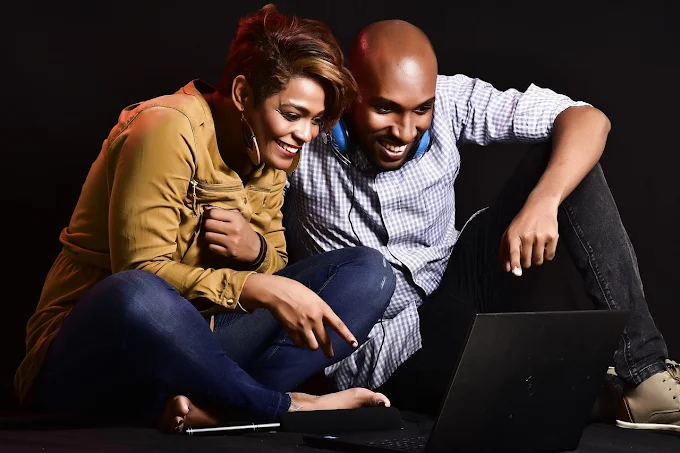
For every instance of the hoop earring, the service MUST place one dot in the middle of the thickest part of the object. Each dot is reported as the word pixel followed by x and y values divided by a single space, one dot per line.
pixel 252 148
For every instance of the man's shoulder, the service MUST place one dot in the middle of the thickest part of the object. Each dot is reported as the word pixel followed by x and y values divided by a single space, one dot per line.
pixel 317 147
pixel 317 160
pixel 449 84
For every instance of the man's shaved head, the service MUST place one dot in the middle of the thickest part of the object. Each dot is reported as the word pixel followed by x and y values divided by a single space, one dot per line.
pixel 388 44
pixel 396 68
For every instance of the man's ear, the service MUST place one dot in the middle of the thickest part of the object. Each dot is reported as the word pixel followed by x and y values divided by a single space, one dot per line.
pixel 240 92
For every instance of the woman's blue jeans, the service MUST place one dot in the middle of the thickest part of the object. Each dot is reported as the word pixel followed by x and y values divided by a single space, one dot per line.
pixel 132 341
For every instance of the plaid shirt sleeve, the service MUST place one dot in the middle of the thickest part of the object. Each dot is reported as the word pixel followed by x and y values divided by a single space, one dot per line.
pixel 482 114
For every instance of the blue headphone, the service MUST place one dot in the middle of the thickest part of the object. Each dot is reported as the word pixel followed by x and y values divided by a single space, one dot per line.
pixel 341 141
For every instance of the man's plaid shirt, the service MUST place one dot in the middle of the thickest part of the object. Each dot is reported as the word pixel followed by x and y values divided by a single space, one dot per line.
pixel 408 214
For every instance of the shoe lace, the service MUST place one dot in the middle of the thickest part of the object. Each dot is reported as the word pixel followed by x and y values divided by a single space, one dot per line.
pixel 674 371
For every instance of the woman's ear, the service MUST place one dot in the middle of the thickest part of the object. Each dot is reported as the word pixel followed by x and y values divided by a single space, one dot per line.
pixel 240 92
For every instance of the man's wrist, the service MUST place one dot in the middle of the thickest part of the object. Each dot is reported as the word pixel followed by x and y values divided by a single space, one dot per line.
pixel 544 198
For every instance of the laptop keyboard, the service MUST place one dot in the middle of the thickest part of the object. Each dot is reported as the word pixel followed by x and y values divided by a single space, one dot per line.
pixel 403 443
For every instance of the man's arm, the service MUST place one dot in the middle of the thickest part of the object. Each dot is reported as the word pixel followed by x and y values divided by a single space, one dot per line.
pixel 578 139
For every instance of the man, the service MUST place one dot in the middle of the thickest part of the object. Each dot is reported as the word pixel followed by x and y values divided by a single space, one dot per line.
pixel 380 185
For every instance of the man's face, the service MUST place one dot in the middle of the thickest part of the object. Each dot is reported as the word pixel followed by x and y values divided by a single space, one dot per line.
pixel 395 110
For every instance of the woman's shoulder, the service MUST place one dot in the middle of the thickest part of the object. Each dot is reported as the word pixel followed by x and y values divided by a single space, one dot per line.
pixel 181 106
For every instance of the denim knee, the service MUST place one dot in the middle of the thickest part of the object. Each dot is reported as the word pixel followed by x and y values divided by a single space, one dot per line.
pixel 139 294
pixel 377 278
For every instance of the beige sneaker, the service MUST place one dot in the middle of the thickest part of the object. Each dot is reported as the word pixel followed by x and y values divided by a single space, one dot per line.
pixel 654 404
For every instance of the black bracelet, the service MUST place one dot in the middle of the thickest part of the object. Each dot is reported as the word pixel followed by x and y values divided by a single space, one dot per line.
pixel 263 252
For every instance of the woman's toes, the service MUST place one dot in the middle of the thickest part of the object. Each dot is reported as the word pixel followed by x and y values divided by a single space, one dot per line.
pixel 381 400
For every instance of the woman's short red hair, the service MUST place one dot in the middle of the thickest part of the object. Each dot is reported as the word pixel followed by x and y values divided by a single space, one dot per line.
pixel 271 48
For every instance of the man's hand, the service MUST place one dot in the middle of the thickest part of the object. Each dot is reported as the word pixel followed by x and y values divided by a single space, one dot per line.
pixel 578 138
pixel 229 235
pixel 301 312
pixel 531 237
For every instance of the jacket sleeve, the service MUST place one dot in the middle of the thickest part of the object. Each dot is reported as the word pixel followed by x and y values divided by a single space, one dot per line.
pixel 149 167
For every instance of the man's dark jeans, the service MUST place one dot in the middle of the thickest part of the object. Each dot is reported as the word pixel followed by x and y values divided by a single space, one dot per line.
pixel 590 229
pixel 132 341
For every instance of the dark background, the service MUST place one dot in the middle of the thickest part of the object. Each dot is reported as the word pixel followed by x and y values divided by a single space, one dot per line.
pixel 69 71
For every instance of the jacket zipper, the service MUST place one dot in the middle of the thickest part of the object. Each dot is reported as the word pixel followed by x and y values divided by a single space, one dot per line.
pixel 193 197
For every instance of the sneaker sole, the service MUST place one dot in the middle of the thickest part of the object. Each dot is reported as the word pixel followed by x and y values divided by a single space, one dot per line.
pixel 649 426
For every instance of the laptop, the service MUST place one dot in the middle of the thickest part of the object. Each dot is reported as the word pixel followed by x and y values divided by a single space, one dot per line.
pixel 524 382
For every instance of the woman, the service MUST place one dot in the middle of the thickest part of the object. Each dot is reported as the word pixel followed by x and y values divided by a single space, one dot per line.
pixel 170 297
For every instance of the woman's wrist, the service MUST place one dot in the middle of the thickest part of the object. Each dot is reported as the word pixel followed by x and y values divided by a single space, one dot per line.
pixel 257 262
pixel 254 293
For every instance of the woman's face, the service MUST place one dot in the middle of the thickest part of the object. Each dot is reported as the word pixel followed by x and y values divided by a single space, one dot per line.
pixel 287 120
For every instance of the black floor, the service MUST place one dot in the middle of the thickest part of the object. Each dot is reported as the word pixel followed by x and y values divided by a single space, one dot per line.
pixel 597 438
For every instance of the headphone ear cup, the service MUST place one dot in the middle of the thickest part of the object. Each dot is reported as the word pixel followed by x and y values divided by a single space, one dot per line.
pixel 340 136
pixel 340 139
pixel 424 144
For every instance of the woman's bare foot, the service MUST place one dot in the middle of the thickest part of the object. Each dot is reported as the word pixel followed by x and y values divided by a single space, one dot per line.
pixel 345 399
pixel 180 413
